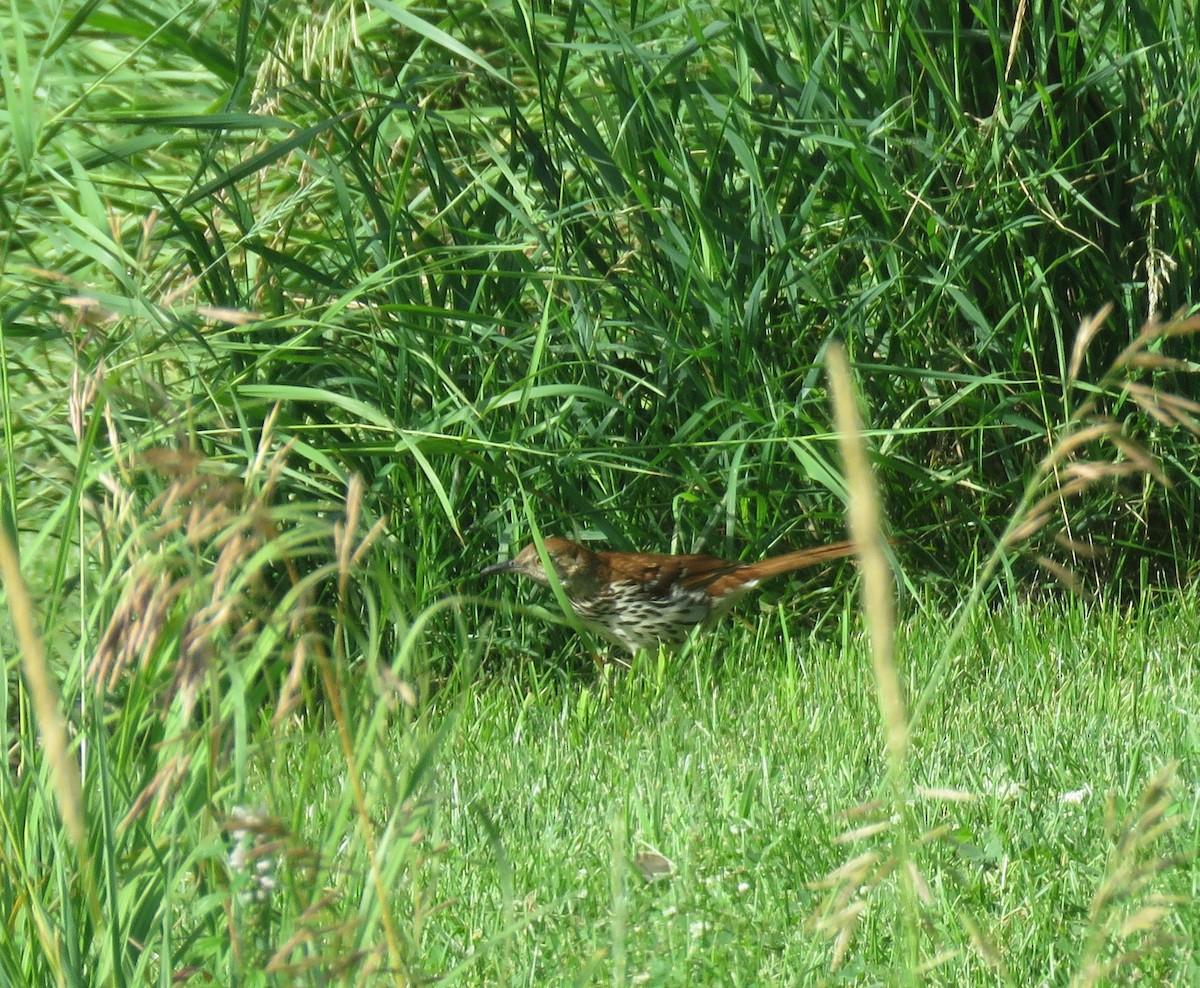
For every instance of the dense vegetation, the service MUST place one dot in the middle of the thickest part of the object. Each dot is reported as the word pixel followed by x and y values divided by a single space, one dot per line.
pixel 309 314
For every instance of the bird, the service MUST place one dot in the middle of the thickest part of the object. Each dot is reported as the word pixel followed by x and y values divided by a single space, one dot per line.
pixel 641 600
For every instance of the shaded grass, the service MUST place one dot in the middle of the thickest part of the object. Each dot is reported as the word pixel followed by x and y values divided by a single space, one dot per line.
pixel 593 256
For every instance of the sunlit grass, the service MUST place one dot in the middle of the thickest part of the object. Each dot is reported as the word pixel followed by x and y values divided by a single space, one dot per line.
pixel 745 764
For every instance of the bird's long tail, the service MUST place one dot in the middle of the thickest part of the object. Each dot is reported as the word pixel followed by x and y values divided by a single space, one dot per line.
pixel 800 559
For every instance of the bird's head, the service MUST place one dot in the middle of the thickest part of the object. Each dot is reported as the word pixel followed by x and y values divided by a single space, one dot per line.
pixel 574 564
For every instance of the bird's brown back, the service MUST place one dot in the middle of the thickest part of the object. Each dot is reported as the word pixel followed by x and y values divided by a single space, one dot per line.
pixel 718 576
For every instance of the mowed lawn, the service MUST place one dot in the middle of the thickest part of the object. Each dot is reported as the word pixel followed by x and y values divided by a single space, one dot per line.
pixel 683 823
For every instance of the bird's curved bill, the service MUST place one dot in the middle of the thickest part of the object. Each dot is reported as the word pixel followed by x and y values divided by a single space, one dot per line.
pixel 505 567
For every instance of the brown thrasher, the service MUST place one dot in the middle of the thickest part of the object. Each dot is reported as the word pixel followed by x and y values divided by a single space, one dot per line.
pixel 640 600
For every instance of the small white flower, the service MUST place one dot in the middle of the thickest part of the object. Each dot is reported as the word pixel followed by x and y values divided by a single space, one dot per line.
pixel 1006 791
pixel 249 867
pixel 1076 796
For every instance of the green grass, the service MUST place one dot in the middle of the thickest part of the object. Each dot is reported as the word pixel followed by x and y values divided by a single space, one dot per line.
pixel 737 762
pixel 308 314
